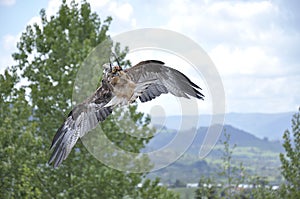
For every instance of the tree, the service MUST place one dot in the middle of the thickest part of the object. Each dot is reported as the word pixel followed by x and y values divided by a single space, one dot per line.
pixel 179 183
pixel 233 175
pixel 20 148
pixel 261 189
pixel 207 189
pixel 48 58
pixel 290 161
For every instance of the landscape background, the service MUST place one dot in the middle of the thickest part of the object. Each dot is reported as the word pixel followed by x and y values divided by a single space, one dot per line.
pixel 254 46
pixel 258 140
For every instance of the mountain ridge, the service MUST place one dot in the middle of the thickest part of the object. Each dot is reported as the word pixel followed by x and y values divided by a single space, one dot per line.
pixel 263 125
pixel 238 137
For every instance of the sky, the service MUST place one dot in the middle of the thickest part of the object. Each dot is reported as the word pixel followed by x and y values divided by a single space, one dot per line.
pixel 254 45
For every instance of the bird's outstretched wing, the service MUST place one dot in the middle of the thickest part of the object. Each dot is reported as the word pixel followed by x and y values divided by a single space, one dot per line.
pixel 146 80
pixel 81 119
pixel 166 80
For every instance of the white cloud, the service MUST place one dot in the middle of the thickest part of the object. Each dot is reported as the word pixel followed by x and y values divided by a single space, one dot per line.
pixel 221 20
pixel 5 61
pixel 96 4
pixel 7 2
pixel 122 11
pixel 251 42
pixel 247 43
pixel 248 94
pixel 52 7
pixel 240 10
pixel 35 20
pixel 9 42
pixel 252 60
pixel 8 46
pixel 252 50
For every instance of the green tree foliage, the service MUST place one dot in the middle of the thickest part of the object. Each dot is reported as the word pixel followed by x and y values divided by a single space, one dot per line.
pixel 48 58
pixel 233 175
pixel 261 189
pixel 290 161
pixel 151 189
pixel 207 189
pixel 20 149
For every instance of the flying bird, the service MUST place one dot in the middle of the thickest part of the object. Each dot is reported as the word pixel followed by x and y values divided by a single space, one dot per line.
pixel 144 81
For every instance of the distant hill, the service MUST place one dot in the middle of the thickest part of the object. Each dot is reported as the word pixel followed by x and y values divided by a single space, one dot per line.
pixel 239 137
pixel 186 172
pixel 259 156
pixel 262 125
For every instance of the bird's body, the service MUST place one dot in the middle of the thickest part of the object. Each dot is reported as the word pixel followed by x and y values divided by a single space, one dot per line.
pixel 122 96
pixel 146 81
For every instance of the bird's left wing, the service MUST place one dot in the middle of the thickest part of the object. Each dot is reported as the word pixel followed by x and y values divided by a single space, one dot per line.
pixel 167 80
pixel 81 119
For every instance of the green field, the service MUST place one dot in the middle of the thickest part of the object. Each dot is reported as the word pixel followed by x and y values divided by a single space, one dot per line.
pixel 255 161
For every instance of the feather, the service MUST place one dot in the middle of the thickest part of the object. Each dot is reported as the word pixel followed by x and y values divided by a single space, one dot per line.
pixel 167 80
pixel 80 120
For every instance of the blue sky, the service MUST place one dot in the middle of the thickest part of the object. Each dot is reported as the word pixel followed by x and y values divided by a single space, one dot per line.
pixel 255 45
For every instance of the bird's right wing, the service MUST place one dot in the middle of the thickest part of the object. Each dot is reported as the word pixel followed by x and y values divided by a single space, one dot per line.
pixel 81 119
pixel 167 80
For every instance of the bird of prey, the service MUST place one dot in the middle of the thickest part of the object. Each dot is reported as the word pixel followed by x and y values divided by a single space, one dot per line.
pixel 146 81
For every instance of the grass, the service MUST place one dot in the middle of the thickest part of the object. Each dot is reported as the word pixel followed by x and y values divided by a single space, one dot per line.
pixel 256 162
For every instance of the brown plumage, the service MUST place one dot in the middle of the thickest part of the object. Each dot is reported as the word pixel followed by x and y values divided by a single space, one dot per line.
pixel 146 81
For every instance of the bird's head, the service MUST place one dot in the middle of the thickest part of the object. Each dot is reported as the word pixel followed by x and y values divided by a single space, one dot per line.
pixel 111 71
pixel 115 70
